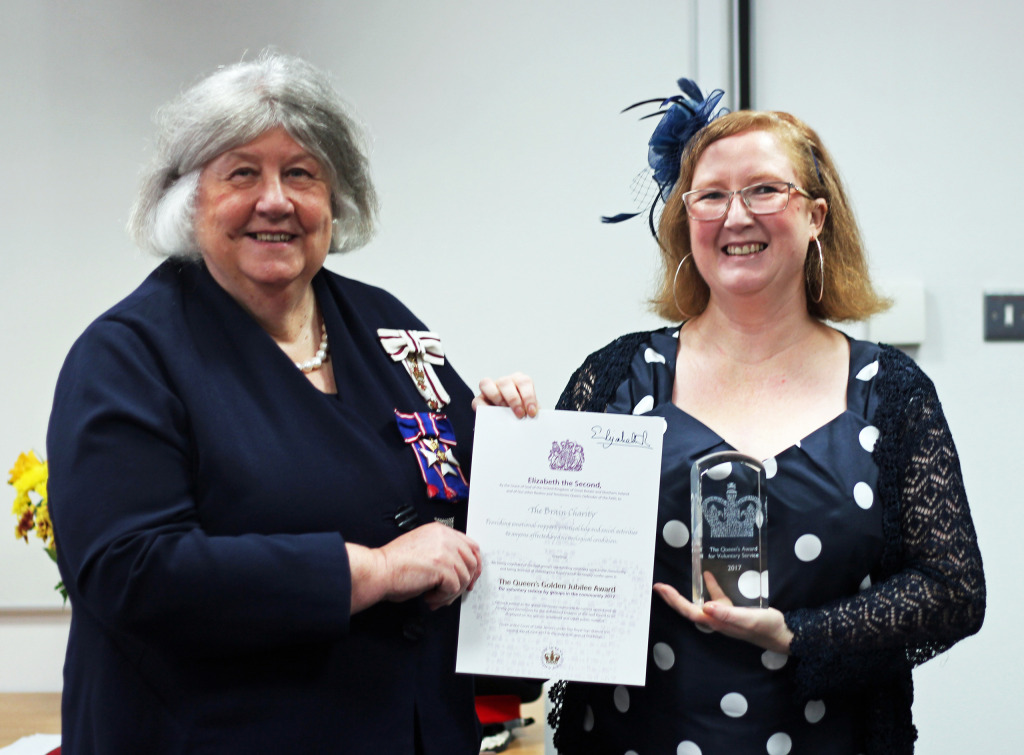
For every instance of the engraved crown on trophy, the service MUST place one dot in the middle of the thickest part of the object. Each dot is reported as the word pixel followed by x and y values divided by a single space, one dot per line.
pixel 728 514
pixel 732 516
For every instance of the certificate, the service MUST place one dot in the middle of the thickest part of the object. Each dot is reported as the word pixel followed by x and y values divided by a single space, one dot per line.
pixel 564 507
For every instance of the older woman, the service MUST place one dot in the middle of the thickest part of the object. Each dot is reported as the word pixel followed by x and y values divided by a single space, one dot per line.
pixel 872 553
pixel 243 452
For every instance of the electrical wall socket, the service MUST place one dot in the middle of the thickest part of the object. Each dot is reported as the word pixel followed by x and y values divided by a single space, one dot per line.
pixel 1004 317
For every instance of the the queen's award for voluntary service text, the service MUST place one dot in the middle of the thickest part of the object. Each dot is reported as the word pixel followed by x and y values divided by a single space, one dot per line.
pixel 729 513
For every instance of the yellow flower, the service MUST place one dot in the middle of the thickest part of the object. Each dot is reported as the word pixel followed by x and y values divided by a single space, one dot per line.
pixel 23 464
pixel 28 473
pixel 44 527
pixel 22 503
pixel 25 525
pixel 28 476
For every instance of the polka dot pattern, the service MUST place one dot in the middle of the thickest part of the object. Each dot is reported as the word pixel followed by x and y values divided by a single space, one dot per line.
pixel 753 584
pixel 664 657
pixel 621 699
pixel 808 547
pixel 644 405
pixel 651 356
pixel 868 372
pixel 814 711
pixel 588 719
pixel 749 585
pixel 868 437
pixel 734 705
pixel 779 744
pixel 825 497
pixel 675 533
pixel 720 471
pixel 863 495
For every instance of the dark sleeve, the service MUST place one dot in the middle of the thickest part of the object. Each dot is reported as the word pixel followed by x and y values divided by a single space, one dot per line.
pixel 131 549
pixel 930 591
pixel 593 384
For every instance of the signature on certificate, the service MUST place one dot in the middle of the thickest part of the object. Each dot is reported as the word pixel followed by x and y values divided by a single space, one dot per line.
pixel 608 437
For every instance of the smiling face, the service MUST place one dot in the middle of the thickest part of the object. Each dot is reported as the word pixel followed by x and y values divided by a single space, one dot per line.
pixel 263 217
pixel 747 255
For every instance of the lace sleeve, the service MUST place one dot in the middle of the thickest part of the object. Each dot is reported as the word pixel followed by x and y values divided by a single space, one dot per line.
pixel 592 386
pixel 930 589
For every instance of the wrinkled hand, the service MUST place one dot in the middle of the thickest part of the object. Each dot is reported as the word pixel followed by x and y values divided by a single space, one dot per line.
pixel 764 627
pixel 514 391
pixel 434 561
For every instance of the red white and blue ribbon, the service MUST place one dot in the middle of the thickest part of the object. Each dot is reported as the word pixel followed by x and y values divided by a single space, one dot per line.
pixel 418 351
pixel 432 438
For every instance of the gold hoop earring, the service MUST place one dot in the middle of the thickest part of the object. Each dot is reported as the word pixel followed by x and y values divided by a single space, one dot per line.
pixel 675 280
pixel 821 267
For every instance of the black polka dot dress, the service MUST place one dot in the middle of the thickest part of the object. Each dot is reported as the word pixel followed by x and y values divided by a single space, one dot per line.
pixel 707 694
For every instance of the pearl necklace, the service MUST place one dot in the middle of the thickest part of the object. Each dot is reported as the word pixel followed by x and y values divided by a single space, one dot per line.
pixel 321 354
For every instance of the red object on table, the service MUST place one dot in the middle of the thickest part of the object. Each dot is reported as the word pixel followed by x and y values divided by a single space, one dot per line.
pixel 497 709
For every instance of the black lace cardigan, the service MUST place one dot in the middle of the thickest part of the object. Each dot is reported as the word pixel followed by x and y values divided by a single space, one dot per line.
pixel 928 591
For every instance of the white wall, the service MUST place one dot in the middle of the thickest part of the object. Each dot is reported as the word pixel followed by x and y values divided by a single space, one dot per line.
pixel 919 103
pixel 498 145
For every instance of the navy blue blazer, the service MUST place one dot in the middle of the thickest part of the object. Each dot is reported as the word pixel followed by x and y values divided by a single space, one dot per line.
pixel 202 491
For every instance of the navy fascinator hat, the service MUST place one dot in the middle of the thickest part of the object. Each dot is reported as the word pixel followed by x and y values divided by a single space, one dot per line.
pixel 682 116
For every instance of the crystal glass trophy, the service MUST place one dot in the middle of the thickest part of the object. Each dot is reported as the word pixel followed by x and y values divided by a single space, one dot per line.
pixel 728 510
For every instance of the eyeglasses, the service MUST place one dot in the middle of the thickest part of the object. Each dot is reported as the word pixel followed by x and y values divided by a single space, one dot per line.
pixel 761 199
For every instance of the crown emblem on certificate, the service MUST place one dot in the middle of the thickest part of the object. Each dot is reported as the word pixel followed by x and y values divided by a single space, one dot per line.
pixel 552 657
pixel 732 516
pixel 566 455
pixel 418 351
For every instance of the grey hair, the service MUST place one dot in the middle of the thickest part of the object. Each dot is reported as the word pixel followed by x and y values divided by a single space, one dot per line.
pixel 231 107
